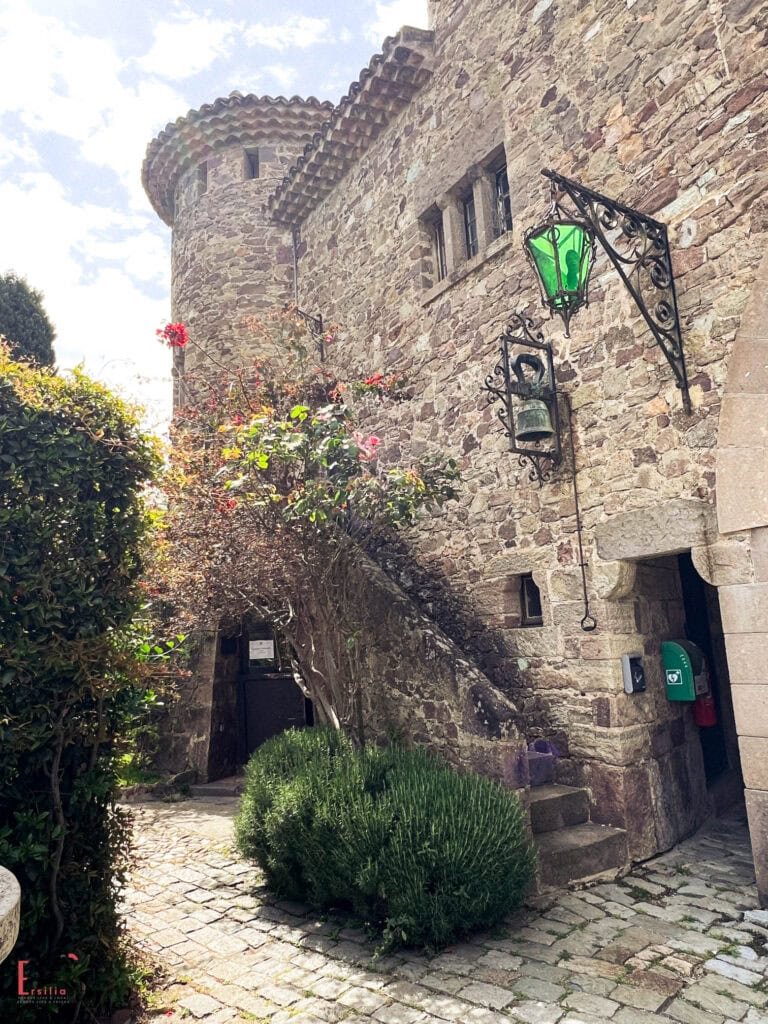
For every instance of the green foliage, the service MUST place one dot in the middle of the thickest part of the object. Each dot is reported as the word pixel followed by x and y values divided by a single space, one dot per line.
pixel 275 489
pixel 24 322
pixel 422 853
pixel 314 466
pixel 72 467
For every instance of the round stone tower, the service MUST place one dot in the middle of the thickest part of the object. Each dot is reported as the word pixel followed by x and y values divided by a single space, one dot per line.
pixel 208 176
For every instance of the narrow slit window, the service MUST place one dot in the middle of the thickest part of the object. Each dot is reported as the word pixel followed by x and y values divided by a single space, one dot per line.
pixel 503 207
pixel 530 602
pixel 251 164
pixel 438 243
pixel 470 225
pixel 202 178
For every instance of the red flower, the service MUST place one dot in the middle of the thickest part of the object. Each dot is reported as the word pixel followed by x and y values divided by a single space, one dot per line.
pixel 174 335
pixel 374 379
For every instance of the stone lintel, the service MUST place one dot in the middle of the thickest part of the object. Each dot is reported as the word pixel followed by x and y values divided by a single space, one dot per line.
pixel 664 529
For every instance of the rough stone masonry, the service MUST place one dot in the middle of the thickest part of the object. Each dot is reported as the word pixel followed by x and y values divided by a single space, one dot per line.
pixel 660 106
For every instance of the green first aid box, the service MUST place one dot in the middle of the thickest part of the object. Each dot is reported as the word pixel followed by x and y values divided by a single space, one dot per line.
pixel 682 662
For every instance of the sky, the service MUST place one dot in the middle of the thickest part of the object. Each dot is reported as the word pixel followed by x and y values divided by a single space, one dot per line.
pixel 84 86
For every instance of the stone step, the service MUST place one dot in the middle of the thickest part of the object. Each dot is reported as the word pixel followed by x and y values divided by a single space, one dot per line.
pixel 554 807
pixel 232 786
pixel 578 852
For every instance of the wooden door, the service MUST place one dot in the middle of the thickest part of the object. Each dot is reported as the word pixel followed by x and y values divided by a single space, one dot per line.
pixel 269 699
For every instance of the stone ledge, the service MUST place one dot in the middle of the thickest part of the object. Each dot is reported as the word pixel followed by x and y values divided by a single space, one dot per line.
pixel 497 245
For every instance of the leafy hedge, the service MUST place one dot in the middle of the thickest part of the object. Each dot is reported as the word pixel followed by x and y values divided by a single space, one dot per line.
pixel 73 463
pixel 420 852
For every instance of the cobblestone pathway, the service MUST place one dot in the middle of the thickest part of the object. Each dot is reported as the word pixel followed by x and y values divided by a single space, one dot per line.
pixel 680 939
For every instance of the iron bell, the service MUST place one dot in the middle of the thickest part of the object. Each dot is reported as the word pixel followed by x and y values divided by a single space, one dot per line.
pixel 533 421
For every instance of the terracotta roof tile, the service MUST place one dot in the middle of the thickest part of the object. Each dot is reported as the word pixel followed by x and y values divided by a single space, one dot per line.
pixel 232 119
pixel 381 91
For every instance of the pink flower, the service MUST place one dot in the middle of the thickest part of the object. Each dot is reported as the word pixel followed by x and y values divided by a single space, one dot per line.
pixel 366 447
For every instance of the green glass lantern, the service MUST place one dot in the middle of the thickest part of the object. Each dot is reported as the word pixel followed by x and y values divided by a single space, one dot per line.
pixel 562 253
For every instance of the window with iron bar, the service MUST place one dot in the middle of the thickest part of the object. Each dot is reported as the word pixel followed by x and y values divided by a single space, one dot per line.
pixel 438 245
pixel 503 206
pixel 470 225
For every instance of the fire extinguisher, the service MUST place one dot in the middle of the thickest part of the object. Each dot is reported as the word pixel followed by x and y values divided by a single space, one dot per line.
pixel 704 710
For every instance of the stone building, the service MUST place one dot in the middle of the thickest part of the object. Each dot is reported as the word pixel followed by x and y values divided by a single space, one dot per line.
pixel 400 214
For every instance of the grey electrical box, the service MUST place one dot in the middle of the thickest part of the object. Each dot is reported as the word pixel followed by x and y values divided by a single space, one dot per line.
pixel 633 673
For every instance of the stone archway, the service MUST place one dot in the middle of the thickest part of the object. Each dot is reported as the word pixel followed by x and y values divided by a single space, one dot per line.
pixel 742 508
pixel 638 568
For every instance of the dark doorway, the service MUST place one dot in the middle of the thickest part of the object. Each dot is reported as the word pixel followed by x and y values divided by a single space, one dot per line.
pixel 269 700
pixel 703 627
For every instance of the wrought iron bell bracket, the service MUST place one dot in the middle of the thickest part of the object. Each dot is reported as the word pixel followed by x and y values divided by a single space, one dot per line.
pixel 643 262
pixel 519 347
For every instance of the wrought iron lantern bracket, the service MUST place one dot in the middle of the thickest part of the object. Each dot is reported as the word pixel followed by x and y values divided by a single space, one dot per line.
pixel 640 253
pixel 315 328
pixel 521 347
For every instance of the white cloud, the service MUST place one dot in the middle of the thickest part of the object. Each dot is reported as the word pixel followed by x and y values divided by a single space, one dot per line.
pixel 54 79
pixel 57 81
pixel 392 15
pixel 297 30
pixel 284 75
pixel 18 149
pixel 188 45
pixel 104 318
pixel 128 124
pixel 335 85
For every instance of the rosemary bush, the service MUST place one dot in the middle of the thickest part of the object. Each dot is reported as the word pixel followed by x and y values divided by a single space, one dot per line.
pixel 422 853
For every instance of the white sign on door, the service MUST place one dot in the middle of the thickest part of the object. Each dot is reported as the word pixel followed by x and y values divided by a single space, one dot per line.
pixel 259 650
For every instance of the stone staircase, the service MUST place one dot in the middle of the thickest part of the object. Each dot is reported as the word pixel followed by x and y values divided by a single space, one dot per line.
pixel 571 847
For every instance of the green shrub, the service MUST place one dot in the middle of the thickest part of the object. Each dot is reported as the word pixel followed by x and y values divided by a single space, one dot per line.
pixel 73 466
pixel 424 854
pixel 281 782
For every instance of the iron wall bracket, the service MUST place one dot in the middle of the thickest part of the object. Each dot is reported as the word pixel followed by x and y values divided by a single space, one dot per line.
pixel 503 385
pixel 315 328
pixel 638 247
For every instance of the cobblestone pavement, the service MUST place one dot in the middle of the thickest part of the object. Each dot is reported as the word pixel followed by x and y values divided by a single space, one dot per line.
pixel 680 939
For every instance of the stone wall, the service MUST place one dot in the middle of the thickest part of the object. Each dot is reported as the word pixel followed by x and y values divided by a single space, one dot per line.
pixel 663 108
pixel 229 261
pixel 420 687
pixel 660 106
